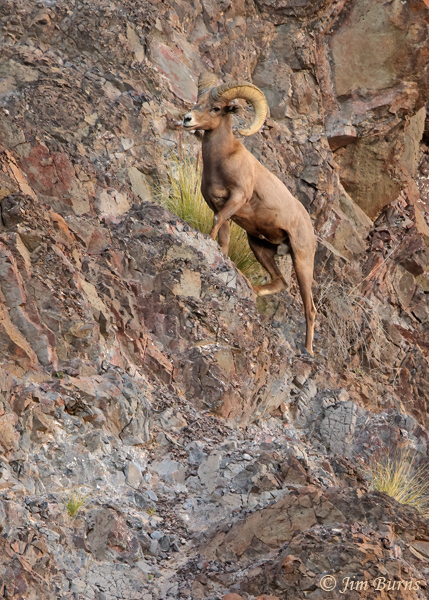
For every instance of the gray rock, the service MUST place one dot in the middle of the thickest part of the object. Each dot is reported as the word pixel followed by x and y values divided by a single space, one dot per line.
pixel 208 471
pixel 133 475
pixel 164 543
pixel 172 419
pixel 151 495
pixel 338 427
pixel 169 470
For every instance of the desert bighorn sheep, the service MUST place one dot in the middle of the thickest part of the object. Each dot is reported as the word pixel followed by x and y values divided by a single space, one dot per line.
pixel 236 186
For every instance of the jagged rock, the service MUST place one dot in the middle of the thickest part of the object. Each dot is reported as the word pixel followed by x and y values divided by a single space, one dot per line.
pixel 131 348
pixel 133 476
pixel 270 529
pixel 338 427
pixel 108 533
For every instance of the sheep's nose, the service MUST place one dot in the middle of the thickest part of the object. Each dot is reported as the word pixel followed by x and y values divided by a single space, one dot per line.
pixel 187 118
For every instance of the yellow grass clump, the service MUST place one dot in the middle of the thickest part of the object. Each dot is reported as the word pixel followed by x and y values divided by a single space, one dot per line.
pixel 400 478
pixel 185 200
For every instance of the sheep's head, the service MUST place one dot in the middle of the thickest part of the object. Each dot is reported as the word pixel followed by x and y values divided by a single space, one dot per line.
pixel 216 101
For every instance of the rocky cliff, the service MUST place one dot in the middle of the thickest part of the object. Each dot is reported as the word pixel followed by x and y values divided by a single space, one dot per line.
pixel 139 379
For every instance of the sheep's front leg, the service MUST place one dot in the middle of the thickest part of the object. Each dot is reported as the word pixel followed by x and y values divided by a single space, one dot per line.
pixel 223 237
pixel 235 201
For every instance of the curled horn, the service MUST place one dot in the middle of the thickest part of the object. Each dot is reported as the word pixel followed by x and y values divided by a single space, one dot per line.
pixel 249 92
pixel 206 82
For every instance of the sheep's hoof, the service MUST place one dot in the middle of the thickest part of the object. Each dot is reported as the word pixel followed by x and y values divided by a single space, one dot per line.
pixel 263 290
pixel 306 354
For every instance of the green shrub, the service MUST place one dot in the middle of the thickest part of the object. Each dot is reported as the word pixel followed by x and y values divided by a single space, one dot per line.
pixel 73 502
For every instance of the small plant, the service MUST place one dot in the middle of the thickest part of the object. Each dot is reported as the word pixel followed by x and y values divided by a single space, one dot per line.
pixel 353 322
pixel 74 502
pixel 185 200
pixel 151 511
pixel 401 478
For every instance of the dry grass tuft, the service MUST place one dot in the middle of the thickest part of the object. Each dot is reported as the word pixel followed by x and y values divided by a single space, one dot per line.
pixel 354 323
pixel 400 478
pixel 185 200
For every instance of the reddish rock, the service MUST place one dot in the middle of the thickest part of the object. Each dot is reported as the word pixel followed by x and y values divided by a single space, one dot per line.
pixel 127 338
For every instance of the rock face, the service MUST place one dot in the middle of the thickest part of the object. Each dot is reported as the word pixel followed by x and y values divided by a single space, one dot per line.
pixel 325 534
pixel 376 97
pixel 161 434
pixel 151 293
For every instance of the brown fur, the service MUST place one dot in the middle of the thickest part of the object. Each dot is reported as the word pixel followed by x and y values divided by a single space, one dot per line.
pixel 236 186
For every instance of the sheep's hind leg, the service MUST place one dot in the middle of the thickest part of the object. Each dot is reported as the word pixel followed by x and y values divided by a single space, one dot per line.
pixel 304 273
pixel 265 252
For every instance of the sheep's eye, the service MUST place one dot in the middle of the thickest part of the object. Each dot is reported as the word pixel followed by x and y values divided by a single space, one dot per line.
pixel 215 109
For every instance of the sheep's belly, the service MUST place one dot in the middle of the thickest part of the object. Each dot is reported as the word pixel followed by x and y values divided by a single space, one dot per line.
pixel 272 234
